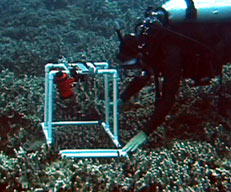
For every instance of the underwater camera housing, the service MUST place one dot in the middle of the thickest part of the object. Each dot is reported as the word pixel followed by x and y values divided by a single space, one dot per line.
pixel 83 69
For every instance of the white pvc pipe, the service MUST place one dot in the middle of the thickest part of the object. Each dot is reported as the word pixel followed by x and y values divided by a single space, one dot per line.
pixel 91 67
pixel 115 100
pixel 50 105
pixel 111 135
pixel 92 153
pixel 108 131
pixel 60 123
pixel 107 99
pixel 107 71
pixel 46 98
pixel 115 106
pixel 104 65
pixel 45 131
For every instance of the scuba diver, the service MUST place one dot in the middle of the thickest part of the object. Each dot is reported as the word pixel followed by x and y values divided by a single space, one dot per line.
pixel 173 51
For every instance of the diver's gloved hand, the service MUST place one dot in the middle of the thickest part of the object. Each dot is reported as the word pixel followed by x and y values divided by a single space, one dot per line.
pixel 135 142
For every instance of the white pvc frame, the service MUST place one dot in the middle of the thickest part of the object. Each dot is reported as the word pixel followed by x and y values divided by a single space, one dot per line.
pixel 96 68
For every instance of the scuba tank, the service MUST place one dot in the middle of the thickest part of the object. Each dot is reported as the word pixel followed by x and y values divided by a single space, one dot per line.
pixel 175 11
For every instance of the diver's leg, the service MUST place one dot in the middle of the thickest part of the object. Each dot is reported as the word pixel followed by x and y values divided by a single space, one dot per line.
pixel 171 83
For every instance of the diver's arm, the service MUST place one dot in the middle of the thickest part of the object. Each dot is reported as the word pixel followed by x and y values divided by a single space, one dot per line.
pixel 172 74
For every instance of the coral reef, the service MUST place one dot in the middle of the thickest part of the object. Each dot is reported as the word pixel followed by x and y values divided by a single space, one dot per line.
pixel 190 151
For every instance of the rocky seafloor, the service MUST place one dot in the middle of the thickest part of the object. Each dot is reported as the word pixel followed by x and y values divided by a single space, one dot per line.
pixel 190 151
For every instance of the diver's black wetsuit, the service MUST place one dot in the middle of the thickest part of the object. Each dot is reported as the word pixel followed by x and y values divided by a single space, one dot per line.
pixel 175 56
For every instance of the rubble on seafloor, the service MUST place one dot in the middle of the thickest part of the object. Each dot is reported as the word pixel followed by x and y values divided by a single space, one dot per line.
pixel 190 151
